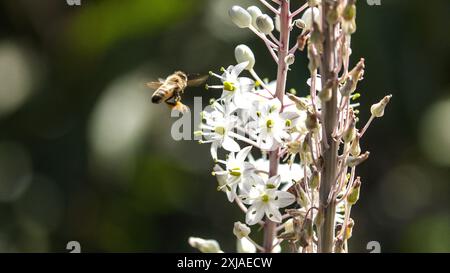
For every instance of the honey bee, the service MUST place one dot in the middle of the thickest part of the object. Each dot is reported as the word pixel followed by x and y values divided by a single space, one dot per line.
pixel 169 90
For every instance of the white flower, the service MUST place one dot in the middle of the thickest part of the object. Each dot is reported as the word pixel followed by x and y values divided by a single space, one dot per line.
pixel 268 124
pixel 265 198
pixel 236 90
pixel 240 16
pixel 287 172
pixel 205 246
pixel 237 172
pixel 218 123
pixel 243 53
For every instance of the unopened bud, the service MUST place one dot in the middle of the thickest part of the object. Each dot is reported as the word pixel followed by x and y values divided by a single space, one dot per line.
pixel 243 53
pixel 241 230
pixel 300 23
pixel 353 196
pixel 205 246
pixel 254 13
pixel 240 16
pixel 265 24
pixel 290 59
pixel 377 109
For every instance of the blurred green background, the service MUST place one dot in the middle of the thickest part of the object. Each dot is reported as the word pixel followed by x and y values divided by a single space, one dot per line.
pixel 85 156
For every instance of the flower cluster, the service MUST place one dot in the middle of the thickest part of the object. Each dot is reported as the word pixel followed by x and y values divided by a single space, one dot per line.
pixel 290 162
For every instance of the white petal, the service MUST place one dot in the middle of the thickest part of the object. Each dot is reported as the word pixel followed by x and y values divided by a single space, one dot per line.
pixel 283 199
pixel 213 149
pixel 273 213
pixel 254 214
pixel 237 70
pixel 274 180
pixel 230 145
pixel 242 155
pixel 245 84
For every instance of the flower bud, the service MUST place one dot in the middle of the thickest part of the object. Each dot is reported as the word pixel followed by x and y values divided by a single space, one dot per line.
pixel 243 53
pixel 205 246
pixel 241 230
pixel 300 23
pixel 254 12
pixel 377 109
pixel 307 17
pixel 290 59
pixel 265 24
pixel 240 16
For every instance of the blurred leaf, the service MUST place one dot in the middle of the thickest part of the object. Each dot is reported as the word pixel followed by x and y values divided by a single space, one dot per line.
pixel 101 24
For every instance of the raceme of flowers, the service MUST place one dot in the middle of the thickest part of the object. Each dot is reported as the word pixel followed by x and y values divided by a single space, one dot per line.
pixel 268 144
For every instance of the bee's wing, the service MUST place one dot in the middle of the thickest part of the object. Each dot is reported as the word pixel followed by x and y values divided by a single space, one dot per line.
pixel 196 80
pixel 154 85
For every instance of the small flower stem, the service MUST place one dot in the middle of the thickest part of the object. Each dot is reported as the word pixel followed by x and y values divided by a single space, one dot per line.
pixel 261 82
pixel 285 22
pixel 372 117
pixel 299 10
pixel 269 6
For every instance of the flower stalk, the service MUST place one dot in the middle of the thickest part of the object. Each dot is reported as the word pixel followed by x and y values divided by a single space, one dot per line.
pixel 309 146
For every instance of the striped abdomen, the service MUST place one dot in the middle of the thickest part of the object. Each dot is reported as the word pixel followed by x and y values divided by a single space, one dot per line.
pixel 162 94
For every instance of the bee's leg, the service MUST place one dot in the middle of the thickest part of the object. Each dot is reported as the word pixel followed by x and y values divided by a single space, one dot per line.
pixel 177 97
